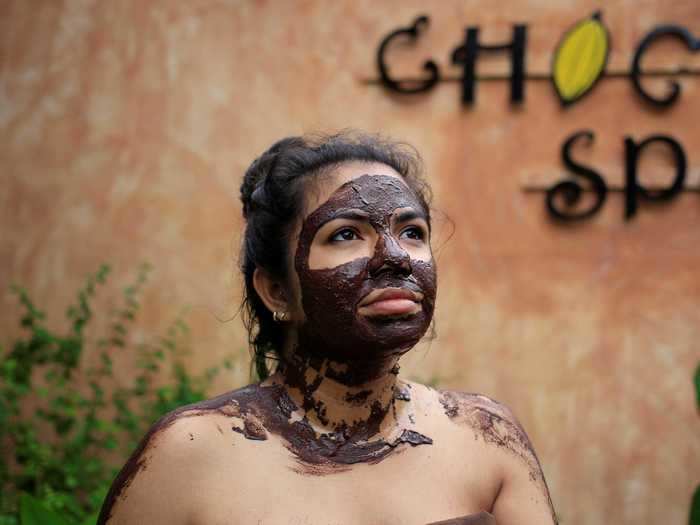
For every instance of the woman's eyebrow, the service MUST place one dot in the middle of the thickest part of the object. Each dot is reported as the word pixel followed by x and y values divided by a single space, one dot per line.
pixel 409 215
pixel 356 215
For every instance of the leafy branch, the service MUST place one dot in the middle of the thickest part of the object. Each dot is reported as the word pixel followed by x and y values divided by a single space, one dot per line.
pixel 66 427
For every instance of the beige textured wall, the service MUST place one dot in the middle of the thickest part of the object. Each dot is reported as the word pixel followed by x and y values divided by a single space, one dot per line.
pixel 125 128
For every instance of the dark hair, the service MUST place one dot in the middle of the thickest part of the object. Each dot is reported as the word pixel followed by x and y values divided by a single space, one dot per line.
pixel 272 194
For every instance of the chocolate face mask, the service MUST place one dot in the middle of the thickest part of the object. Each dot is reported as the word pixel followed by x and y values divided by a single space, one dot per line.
pixel 334 329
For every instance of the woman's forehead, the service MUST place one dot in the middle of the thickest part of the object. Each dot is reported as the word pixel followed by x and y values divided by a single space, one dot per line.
pixel 327 184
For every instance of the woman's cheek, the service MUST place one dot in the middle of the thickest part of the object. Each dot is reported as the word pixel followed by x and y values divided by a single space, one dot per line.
pixel 419 253
pixel 333 255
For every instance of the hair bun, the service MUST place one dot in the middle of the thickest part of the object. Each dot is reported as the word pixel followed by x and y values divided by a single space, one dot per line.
pixel 261 170
pixel 252 179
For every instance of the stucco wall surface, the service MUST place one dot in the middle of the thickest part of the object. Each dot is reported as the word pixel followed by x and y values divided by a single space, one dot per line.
pixel 125 128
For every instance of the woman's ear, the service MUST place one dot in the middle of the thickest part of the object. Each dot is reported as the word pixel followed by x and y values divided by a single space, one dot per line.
pixel 270 291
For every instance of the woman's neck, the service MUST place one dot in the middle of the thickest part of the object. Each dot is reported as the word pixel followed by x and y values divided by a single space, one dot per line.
pixel 368 398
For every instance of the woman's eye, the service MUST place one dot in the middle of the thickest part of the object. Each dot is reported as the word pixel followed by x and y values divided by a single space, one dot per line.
pixel 413 232
pixel 345 234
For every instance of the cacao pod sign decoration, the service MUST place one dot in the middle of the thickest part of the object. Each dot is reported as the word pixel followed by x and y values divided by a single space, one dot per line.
pixel 580 59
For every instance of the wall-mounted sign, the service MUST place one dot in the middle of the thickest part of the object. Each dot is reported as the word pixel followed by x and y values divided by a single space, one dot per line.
pixel 563 198
pixel 579 62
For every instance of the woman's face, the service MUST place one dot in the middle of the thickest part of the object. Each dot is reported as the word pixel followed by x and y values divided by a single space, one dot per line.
pixel 364 281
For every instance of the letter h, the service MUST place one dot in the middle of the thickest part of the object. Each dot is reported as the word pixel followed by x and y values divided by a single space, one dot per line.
pixel 467 54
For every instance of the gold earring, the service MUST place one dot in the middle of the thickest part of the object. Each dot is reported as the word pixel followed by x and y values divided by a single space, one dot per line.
pixel 279 316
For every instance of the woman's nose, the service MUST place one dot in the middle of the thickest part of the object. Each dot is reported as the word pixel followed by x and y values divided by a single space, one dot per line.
pixel 389 255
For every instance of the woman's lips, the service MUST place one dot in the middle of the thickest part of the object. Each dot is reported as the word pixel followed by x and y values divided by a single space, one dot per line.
pixel 390 302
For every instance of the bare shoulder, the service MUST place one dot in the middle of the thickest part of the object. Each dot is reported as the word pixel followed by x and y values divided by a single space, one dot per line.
pixel 175 450
pixel 494 424
pixel 500 441
pixel 458 406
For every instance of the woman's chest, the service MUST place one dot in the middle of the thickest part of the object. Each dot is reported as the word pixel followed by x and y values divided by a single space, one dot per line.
pixel 414 485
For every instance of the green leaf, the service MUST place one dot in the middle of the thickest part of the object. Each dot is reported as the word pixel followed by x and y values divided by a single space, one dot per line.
pixel 33 512
pixel 695 507
pixel 91 520
pixel 71 482
pixel 102 273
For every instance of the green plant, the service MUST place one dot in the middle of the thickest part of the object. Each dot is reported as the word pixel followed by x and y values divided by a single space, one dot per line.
pixel 67 426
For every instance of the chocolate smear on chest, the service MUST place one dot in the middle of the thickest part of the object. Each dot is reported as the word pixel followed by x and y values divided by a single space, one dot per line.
pixel 345 444
pixel 269 409
pixel 359 398
pixel 252 428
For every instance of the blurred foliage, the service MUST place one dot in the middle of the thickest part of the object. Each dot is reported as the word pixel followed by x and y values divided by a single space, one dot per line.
pixel 67 427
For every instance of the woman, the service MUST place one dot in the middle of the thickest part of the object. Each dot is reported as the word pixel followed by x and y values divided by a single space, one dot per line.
pixel 340 283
